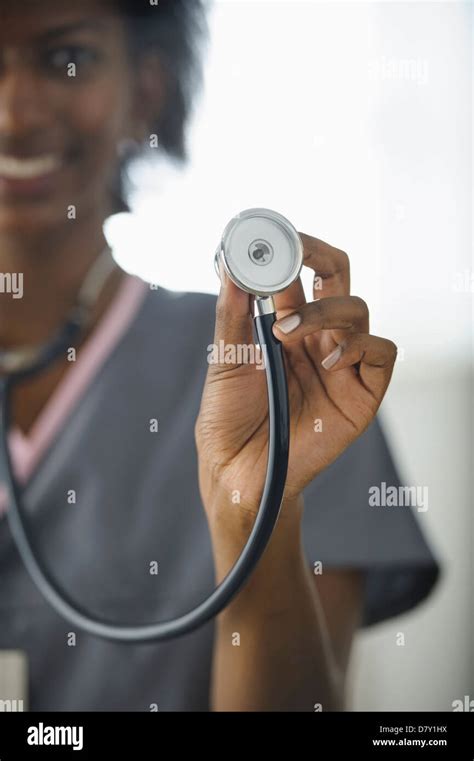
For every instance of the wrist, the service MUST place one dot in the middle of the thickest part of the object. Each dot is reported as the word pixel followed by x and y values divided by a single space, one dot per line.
pixel 230 526
pixel 229 518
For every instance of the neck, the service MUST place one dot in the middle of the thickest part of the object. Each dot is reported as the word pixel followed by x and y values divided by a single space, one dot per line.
pixel 51 268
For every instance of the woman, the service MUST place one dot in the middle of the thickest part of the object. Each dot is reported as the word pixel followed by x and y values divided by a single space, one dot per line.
pixel 111 444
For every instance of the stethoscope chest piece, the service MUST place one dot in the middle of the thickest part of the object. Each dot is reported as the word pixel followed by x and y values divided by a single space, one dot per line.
pixel 261 252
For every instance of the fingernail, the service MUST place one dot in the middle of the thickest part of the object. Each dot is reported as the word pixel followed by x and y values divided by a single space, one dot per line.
pixel 332 358
pixel 289 323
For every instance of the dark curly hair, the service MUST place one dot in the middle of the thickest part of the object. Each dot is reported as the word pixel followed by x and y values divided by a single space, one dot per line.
pixel 176 30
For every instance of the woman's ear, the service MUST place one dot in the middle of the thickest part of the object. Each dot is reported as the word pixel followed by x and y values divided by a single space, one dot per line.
pixel 150 91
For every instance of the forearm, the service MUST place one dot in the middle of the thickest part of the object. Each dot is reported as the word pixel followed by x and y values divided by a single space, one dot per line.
pixel 270 650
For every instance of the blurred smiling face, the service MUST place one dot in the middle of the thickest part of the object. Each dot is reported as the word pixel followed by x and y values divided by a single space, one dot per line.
pixel 66 85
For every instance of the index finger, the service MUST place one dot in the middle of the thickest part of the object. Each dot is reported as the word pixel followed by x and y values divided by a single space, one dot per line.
pixel 291 298
pixel 331 266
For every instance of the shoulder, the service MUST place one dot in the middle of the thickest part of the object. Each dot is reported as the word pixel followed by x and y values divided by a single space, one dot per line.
pixel 164 298
pixel 171 325
pixel 193 312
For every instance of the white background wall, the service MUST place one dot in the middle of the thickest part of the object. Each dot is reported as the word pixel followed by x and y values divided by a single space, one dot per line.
pixel 355 121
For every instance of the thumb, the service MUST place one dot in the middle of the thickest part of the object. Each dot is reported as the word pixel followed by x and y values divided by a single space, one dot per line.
pixel 234 312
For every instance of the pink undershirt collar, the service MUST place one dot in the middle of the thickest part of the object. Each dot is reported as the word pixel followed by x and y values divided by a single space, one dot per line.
pixel 27 450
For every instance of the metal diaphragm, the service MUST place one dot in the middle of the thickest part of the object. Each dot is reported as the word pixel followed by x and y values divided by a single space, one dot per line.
pixel 261 252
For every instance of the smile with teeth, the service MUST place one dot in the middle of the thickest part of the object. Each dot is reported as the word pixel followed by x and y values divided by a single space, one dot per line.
pixel 13 168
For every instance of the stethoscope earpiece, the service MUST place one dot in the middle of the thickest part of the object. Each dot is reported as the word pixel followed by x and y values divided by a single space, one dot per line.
pixel 261 252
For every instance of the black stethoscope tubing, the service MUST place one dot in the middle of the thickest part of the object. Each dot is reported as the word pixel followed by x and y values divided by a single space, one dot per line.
pixel 266 518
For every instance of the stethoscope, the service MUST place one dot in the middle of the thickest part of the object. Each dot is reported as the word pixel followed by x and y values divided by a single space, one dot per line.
pixel 262 253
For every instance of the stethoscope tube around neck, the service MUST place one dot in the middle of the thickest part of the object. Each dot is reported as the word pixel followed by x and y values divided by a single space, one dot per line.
pixel 263 254
pixel 266 518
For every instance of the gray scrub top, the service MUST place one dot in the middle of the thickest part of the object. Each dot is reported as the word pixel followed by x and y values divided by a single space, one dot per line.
pixel 138 503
